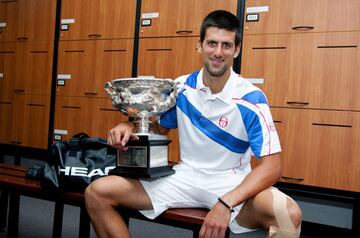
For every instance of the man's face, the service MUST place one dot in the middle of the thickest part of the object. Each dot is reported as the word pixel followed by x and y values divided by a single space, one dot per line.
pixel 218 51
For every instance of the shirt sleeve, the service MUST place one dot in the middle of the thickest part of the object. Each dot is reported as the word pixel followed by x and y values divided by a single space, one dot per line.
pixel 262 135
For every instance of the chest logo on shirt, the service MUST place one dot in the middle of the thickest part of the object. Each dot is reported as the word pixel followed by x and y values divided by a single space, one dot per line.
pixel 223 122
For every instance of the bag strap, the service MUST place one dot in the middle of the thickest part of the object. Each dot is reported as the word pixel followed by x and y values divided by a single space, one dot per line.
pixel 74 142
pixel 80 136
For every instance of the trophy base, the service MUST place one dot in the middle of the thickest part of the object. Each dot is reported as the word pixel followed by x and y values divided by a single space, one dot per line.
pixel 146 173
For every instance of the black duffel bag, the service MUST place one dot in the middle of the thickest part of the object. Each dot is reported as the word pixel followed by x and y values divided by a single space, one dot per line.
pixel 76 162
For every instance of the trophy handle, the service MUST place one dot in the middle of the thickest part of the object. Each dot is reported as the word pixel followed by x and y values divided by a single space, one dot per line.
pixel 109 89
pixel 116 100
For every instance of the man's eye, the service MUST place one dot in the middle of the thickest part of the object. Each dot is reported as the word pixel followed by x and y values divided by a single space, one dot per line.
pixel 227 45
pixel 212 43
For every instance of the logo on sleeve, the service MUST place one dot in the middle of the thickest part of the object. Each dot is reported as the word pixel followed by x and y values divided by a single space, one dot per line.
pixel 272 127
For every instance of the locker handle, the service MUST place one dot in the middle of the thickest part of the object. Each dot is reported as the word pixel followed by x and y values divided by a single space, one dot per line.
pixel 298 103
pixel 302 28
pixel 15 142
pixel 90 94
pixel 71 107
pixel 19 90
pixel 35 105
pixel 107 109
pixel 291 178
pixel 331 125
pixel 184 32
pixel 94 35
pixel 22 38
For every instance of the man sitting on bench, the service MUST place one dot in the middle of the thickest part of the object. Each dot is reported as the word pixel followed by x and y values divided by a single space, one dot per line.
pixel 222 120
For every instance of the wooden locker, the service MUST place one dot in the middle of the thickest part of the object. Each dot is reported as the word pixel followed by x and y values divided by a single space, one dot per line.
pixel 36 20
pixel 178 17
pixel 36 122
pixel 324 153
pixel 94 116
pixel 97 19
pixel 296 154
pixel 105 115
pixel 113 61
pixel 75 71
pixel 168 57
pixel 34 61
pixel 7 67
pixel 6 108
pixel 277 16
pixel 265 60
pixel 336 69
pixel 17 119
pixel 85 66
pixel 71 117
pixel 9 11
pixel 305 70
pixel 30 120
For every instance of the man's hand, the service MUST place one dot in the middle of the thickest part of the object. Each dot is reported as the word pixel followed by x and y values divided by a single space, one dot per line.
pixel 120 134
pixel 216 222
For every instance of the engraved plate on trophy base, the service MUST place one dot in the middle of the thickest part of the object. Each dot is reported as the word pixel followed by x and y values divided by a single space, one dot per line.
pixel 145 158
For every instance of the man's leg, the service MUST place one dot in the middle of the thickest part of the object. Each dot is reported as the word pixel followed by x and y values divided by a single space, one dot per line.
pixel 273 210
pixel 104 195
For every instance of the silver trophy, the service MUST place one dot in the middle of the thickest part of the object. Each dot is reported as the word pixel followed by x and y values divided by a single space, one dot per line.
pixel 141 99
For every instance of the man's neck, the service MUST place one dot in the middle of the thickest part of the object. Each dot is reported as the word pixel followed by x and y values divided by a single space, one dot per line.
pixel 216 84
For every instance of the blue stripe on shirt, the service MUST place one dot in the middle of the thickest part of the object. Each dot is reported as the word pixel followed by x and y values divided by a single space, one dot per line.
pixel 253 129
pixel 255 97
pixel 192 79
pixel 169 119
pixel 210 129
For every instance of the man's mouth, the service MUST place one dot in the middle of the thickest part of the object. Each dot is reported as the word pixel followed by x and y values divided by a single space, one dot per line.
pixel 217 61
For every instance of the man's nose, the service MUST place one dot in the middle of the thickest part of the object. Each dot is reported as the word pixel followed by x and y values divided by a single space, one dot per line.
pixel 218 50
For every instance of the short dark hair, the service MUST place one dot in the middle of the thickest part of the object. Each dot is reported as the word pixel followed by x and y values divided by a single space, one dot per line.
pixel 221 19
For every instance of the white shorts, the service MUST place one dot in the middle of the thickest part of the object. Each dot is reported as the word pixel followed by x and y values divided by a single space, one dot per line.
pixel 192 188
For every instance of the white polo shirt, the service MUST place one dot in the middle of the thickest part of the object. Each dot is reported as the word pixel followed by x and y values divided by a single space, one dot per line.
pixel 220 131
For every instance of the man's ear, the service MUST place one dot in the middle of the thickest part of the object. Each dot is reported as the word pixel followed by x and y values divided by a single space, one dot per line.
pixel 198 48
pixel 237 51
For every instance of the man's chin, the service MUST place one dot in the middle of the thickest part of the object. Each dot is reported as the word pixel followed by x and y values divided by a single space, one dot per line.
pixel 217 73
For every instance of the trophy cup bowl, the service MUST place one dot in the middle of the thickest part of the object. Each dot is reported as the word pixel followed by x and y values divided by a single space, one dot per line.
pixel 142 98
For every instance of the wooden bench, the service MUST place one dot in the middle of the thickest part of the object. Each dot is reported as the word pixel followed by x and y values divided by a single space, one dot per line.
pixel 13 183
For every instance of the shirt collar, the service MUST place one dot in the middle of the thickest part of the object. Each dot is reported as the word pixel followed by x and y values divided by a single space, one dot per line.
pixel 226 93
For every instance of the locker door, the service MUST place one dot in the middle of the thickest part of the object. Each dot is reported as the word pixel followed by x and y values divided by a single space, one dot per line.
pixel 299 16
pixel 178 17
pixel 36 20
pixel 113 60
pixel 71 117
pixel 97 19
pixel 6 111
pixel 36 121
pixel 35 63
pixel 8 20
pixel 168 57
pixel 7 67
pixel 76 71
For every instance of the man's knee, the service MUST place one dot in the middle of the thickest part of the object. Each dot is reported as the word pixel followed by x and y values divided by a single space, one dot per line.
pixel 91 193
pixel 288 216
pixel 95 194
pixel 294 212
